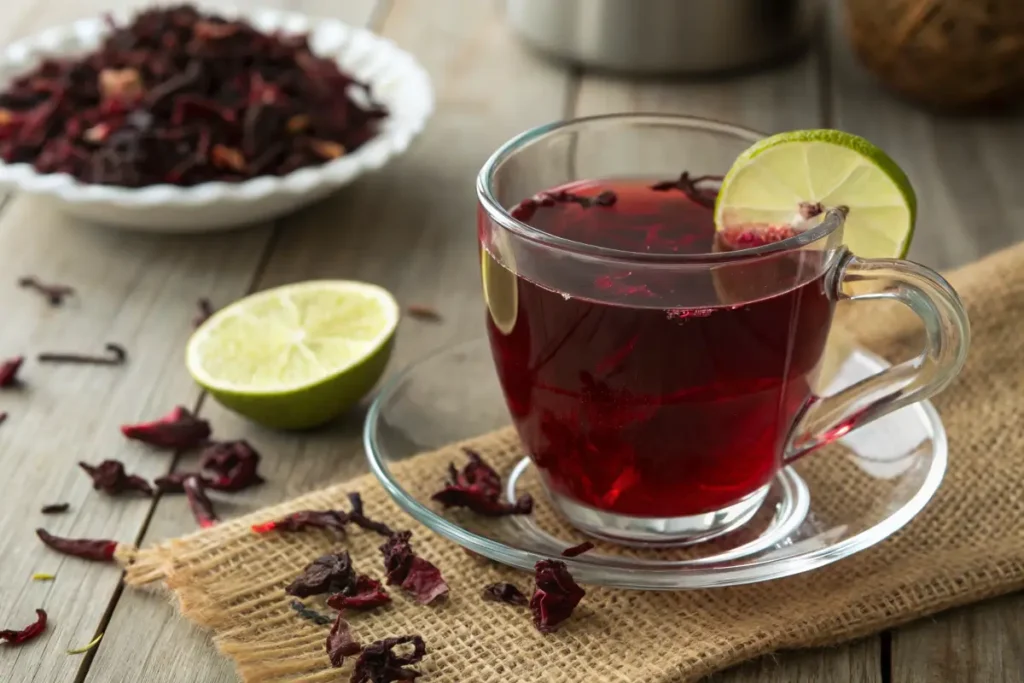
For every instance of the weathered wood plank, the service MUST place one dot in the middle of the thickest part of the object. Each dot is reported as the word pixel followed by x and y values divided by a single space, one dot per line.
pixel 977 644
pixel 409 228
pixel 139 290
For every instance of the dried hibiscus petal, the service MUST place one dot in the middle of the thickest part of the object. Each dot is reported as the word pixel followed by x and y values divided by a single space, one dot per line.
pixel 110 477
pixel 9 371
pixel 378 662
pixel 478 487
pixel 85 548
pixel 424 581
pixel 411 572
pixel 204 310
pixel 577 550
pixel 26 634
pixel 555 597
pixel 688 186
pixel 199 502
pixel 334 520
pixel 505 592
pixel 326 574
pixel 236 464
pixel 359 518
pixel 175 481
pixel 177 430
pixel 366 594
pixel 55 294
pixel 340 643
pixel 481 503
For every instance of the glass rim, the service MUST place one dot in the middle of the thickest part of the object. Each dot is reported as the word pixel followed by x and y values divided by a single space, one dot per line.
pixel 831 219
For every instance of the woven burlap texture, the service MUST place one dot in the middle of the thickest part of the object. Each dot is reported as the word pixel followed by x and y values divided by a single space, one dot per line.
pixel 967 545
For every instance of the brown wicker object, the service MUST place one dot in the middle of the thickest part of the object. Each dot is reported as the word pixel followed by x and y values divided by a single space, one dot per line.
pixel 950 54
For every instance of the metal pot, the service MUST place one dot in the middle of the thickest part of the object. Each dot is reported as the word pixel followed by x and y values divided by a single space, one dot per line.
pixel 665 36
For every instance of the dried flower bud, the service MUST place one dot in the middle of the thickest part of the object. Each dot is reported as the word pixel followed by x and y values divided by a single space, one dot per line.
pixel 327 149
pixel 120 84
pixel 97 133
pixel 227 157
pixel 296 124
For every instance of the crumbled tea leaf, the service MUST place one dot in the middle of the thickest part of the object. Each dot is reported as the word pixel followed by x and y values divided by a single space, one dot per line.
pixel 504 592
pixel 326 574
pixel 555 596
pixel 116 355
pixel 205 310
pixel 178 430
pixel 577 550
pixel 482 504
pixel 110 477
pixel 236 464
pixel 175 481
pixel 478 487
pixel 85 548
pixel 688 186
pixel 85 648
pixel 55 508
pixel 199 503
pixel 414 574
pixel 378 662
pixel 181 97
pixel 340 643
pixel 334 520
pixel 366 594
pixel 359 518
pixel 421 312
pixel 311 615
pixel 9 371
pixel 28 633
pixel 43 577
pixel 525 209
pixel 55 294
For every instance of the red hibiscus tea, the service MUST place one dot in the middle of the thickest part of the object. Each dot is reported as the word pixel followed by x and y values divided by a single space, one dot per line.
pixel 663 392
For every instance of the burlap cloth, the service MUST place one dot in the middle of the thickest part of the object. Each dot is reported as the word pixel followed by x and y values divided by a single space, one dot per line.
pixel 968 544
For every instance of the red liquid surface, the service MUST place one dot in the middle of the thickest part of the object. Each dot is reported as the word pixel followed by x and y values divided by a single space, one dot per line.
pixel 634 405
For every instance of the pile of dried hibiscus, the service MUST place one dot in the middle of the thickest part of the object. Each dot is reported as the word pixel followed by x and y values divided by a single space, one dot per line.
pixel 183 98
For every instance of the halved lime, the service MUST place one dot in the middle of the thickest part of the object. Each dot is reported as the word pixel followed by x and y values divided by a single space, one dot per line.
pixel 296 356
pixel 774 178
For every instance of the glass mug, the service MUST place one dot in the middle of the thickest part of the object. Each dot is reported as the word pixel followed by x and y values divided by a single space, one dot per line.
pixel 659 390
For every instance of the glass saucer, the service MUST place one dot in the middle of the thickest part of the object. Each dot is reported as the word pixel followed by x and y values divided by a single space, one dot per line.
pixel 453 396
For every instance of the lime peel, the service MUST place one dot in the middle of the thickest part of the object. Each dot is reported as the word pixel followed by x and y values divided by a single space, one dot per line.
pixel 296 356
pixel 768 182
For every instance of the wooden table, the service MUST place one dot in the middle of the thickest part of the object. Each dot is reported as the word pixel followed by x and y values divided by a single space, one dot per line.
pixel 141 291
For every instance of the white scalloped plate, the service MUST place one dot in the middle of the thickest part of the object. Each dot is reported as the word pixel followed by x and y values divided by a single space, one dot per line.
pixel 396 80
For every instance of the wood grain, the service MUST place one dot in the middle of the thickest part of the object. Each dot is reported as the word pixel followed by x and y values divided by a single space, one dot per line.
pixel 978 644
pixel 139 290
pixel 421 247
pixel 133 289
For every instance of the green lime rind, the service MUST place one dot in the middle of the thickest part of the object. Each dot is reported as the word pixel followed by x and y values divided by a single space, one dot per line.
pixel 892 236
pixel 310 406
pixel 297 356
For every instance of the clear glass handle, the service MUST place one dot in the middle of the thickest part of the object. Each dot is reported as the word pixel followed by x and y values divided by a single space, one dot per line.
pixel 947 336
